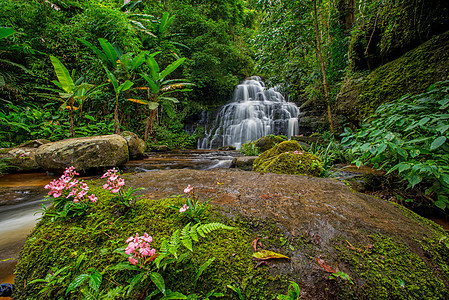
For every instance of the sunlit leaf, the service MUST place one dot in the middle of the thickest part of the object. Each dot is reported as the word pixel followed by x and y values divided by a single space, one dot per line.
pixel 267 254
pixel 438 142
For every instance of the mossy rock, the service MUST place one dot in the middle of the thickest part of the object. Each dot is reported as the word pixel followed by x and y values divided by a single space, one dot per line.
pixel 282 159
pixel 387 251
pixel 267 142
pixel 412 73
pixel 395 27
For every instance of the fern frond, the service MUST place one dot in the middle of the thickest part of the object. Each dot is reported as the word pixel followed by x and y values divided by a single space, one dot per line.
pixel 174 243
pixel 193 234
pixel 185 237
pixel 208 228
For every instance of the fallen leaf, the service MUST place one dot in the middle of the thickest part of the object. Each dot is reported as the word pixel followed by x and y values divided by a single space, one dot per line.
pixel 254 244
pixel 220 183
pixel 325 266
pixel 267 254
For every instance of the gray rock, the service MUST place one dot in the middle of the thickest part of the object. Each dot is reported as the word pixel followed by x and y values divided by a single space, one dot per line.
pixel 243 162
pixel 83 153
pixel 136 146
pixel 20 159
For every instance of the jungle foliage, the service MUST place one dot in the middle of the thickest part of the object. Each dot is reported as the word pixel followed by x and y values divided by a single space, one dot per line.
pixel 86 37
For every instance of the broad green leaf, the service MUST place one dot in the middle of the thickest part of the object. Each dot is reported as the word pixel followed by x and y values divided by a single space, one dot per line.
pixel 403 166
pixel 173 295
pixel 440 204
pixel 154 68
pixel 109 52
pixel 63 75
pixel 152 85
pixel 437 142
pixel 138 60
pixel 5 32
pixel 444 179
pixel 95 280
pixel 442 129
pixel 171 67
pixel 153 105
pixel 158 280
pixel 423 121
pixel 413 179
pixel 113 80
pixel 267 254
pixel 76 282
pixel 125 86
pixel 124 266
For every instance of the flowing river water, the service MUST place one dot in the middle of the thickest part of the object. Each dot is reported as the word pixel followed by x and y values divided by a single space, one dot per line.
pixel 22 195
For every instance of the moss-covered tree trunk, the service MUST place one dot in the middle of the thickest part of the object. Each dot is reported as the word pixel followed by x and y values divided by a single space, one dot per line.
pixel 323 68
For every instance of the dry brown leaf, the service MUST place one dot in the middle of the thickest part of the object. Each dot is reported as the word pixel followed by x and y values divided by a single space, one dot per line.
pixel 325 266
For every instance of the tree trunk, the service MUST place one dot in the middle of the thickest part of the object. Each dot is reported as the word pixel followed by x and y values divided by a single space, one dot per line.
pixel 116 121
pixel 323 69
pixel 149 124
pixel 72 124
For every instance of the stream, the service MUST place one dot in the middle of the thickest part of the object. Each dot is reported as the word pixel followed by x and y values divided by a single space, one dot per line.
pixel 22 195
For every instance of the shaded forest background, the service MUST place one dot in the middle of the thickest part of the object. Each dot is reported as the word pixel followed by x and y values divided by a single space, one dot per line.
pixel 310 50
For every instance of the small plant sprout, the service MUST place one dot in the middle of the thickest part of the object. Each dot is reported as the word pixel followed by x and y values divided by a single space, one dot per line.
pixel 192 208
pixel 115 184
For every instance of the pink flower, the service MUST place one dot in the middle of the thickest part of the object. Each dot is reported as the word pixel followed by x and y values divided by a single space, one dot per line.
pixel 93 198
pixel 183 208
pixel 147 251
pixel 147 238
pixel 75 201
pixel 132 260
pixel 188 189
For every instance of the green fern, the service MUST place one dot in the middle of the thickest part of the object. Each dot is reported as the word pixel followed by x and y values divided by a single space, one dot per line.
pixel 185 237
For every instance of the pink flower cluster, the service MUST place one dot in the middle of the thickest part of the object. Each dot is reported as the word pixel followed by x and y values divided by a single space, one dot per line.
pixel 296 152
pixel 184 208
pixel 188 189
pixel 138 248
pixel 78 189
pixel 114 181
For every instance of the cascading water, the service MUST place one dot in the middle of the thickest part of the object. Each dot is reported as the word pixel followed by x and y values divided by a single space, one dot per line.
pixel 254 112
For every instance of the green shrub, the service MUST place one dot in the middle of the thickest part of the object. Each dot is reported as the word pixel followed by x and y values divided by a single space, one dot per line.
pixel 249 149
pixel 408 137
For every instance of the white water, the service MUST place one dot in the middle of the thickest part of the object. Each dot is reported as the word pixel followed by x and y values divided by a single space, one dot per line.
pixel 253 113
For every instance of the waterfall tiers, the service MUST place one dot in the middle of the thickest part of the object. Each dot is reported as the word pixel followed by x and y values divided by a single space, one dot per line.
pixel 254 112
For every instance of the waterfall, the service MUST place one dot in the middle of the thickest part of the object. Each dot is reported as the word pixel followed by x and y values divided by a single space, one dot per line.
pixel 253 113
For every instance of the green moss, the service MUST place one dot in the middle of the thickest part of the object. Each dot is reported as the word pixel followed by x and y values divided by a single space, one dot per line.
pixel 412 73
pixel 90 243
pixel 282 159
pixel 267 142
pixel 386 268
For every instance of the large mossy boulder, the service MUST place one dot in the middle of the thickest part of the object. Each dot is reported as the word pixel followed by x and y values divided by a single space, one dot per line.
pixel 267 142
pixel 412 73
pixel 391 28
pixel 83 153
pixel 22 157
pixel 288 158
pixel 136 146
pixel 381 250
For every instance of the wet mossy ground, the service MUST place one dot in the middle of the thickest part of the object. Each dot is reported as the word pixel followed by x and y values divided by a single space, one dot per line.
pixel 386 268
pixel 89 242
